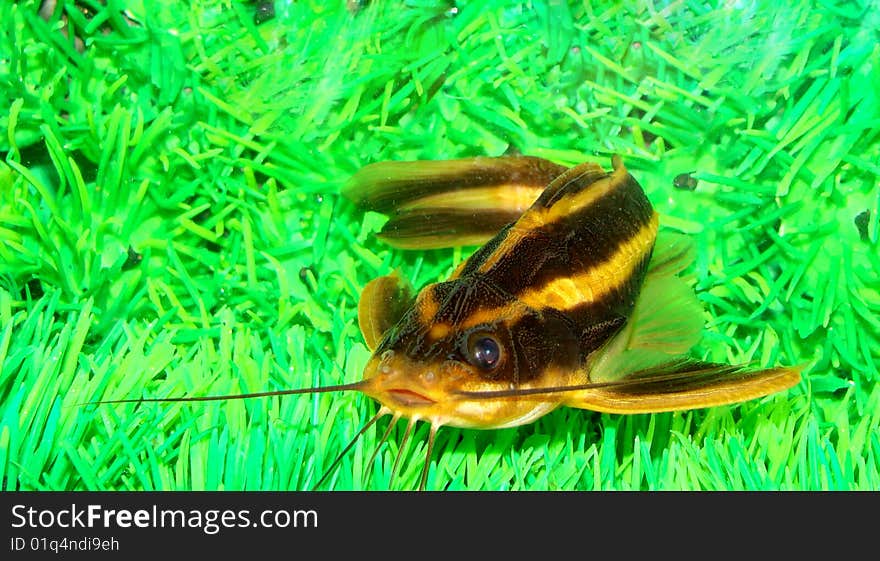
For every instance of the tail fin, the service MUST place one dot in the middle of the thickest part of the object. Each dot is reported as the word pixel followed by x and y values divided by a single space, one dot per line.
pixel 446 203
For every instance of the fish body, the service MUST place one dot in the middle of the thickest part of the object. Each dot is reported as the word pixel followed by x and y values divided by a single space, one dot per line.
pixel 574 299
pixel 572 303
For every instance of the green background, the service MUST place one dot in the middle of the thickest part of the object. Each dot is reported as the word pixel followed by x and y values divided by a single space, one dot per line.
pixel 170 226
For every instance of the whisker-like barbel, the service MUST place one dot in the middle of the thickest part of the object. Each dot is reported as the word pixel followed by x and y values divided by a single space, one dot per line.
pixel 382 440
pixel 381 413
pixel 354 386
pixel 428 449
pixel 401 450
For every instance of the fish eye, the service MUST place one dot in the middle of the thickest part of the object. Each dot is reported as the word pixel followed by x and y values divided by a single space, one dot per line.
pixel 484 351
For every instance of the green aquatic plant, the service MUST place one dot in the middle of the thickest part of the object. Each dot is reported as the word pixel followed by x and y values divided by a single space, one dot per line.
pixel 170 226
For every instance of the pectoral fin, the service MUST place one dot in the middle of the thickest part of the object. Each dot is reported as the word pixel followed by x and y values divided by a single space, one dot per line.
pixel 666 322
pixel 383 302
pixel 673 252
pixel 644 368
pixel 685 385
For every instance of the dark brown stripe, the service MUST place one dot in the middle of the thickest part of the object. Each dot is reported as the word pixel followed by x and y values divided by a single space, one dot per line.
pixel 599 281
pixel 576 243
pixel 444 228
pixel 615 303
pixel 476 260
pixel 387 186
pixel 463 298
pixel 574 181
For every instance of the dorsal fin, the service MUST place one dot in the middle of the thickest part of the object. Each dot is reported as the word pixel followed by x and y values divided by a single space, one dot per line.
pixel 580 177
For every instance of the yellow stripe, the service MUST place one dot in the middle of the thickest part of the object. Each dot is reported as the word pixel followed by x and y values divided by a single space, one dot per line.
pixel 582 199
pixel 536 218
pixel 491 316
pixel 594 283
pixel 439 331
pixel 508 196
pixel 510 241
pixel 427 305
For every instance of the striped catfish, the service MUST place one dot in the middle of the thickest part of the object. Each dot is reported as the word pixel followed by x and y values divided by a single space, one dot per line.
pixel 573 300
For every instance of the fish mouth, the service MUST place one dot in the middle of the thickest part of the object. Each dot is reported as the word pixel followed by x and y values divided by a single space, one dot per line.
pixel 409 398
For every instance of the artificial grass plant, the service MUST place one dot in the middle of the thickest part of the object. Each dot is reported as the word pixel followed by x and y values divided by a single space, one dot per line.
pixel 170 225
